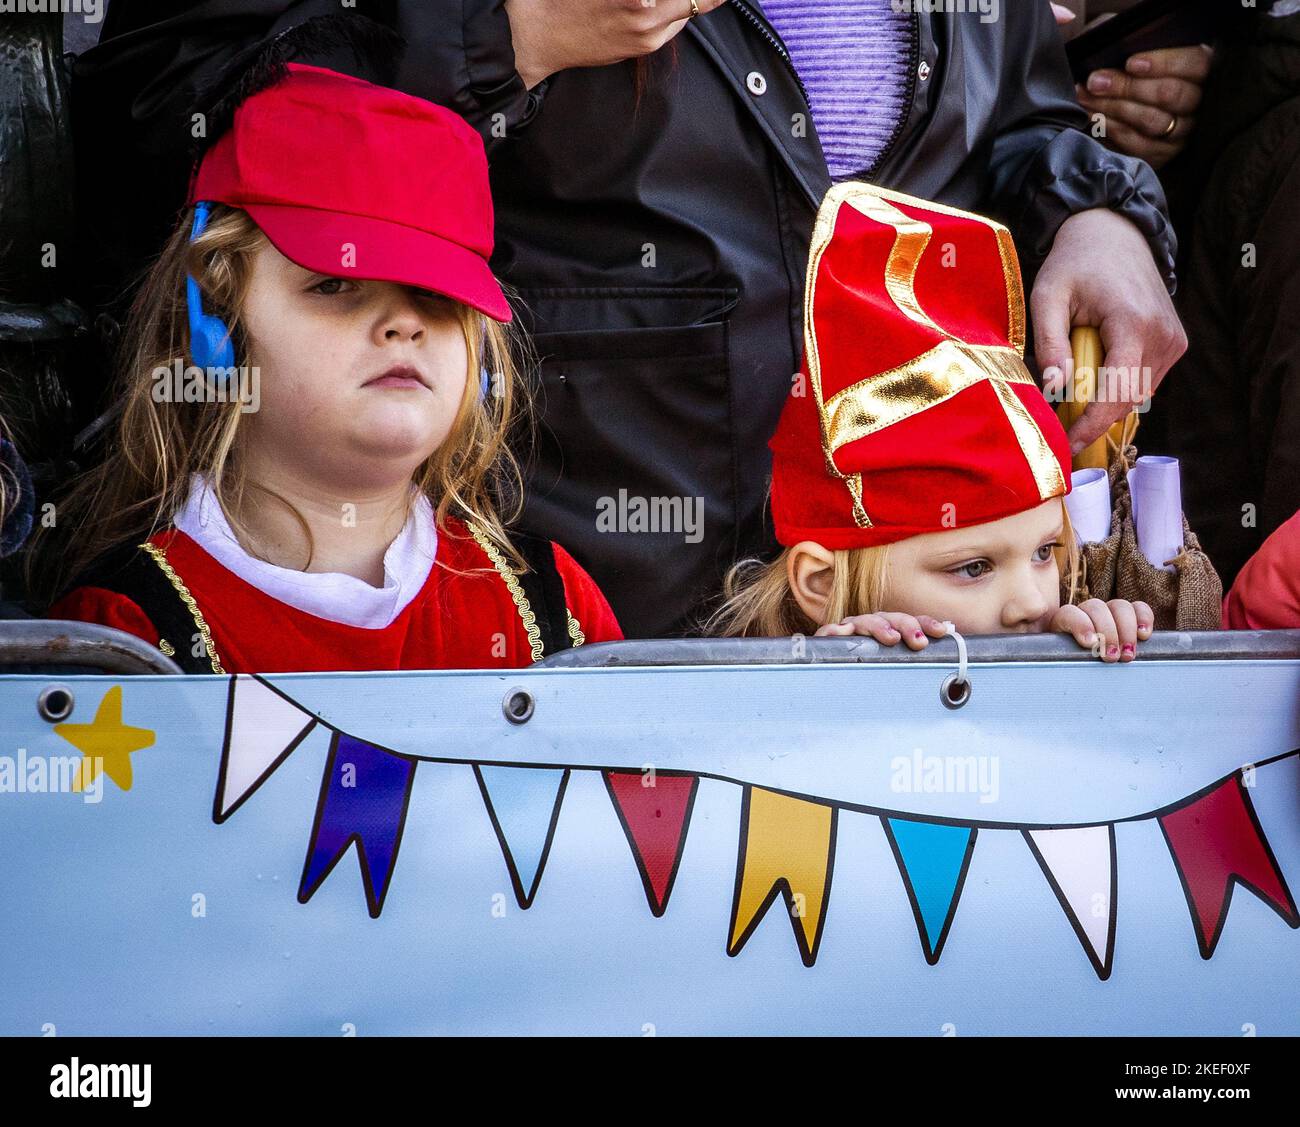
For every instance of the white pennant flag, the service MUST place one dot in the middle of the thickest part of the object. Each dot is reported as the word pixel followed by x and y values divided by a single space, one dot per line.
pixel 1079 863
pixel 262 728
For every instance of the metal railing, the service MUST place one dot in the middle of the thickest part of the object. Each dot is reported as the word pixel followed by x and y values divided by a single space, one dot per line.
pixel 1208 645
pixel 37 645
pixel 40 643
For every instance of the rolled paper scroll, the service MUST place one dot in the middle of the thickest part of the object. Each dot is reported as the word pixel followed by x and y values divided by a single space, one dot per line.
pixel 1089 505
pixel 1155 484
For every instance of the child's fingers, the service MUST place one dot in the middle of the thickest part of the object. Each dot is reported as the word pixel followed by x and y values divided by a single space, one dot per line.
pixel 1073 621
pixel 1104 624
pixel 877 626
pixel 833 630
pixel 1125 627
pixel 909 626
pixel 865 625
pixel 888 627
pixel 1146 620
pixel 932 626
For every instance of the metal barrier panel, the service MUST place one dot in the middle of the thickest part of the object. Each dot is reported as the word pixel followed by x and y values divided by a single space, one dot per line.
pixel 817 848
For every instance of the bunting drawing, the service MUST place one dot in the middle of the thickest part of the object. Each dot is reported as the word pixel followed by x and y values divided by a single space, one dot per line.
pixel 786 842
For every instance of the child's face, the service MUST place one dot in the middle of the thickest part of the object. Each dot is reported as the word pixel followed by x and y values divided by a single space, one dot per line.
pixel 323 347
pixel 995 578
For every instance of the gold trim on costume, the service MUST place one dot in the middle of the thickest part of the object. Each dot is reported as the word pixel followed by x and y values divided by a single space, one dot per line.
pixel 507 574
pixel 576 636
pixel 1038 453
pixel 1006 249
pixel 937 374
pixel 911 238
pixel 854 482
pixel 930 379
pixel 176 581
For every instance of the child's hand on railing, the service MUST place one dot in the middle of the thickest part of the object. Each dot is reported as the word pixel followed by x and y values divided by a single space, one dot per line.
pixel 1111 630
pixel 887 627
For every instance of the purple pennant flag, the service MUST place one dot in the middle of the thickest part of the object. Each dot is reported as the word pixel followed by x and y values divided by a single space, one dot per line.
pixel 363 798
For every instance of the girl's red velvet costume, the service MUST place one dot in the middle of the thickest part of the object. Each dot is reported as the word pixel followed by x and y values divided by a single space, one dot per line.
pixel 468 615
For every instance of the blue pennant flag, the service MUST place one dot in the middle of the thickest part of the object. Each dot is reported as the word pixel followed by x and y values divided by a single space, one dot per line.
pixel 524 805
pixel 933 859
pixel 363 798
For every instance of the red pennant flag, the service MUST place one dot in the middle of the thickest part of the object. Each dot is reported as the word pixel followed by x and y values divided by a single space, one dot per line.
pixel 655 810
pixel 1217 842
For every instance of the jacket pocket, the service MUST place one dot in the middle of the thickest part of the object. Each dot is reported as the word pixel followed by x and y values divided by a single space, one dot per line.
pixel 593 310
pixel 632 469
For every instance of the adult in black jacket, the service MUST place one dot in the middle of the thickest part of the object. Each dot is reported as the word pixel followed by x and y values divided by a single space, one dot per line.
pixel 654 214
pixel 1233 410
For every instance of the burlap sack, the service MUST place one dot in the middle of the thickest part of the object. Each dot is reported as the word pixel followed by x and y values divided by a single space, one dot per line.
pixel 1187 598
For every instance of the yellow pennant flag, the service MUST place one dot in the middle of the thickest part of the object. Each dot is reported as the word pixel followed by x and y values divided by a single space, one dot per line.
pixel 787 845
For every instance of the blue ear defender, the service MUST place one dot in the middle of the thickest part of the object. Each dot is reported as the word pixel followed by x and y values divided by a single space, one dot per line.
pixel 484 379
pixel 210 343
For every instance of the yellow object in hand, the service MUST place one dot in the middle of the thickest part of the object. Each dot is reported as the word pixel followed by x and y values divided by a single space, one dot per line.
pixel 1085 344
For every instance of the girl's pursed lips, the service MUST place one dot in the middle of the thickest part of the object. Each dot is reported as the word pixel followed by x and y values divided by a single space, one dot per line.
pixel 400 375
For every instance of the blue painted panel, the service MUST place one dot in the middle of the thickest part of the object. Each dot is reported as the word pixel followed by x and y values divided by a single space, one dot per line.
pixel 138 913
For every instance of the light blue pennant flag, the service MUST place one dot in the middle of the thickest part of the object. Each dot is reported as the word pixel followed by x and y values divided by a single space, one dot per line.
pixel 524 805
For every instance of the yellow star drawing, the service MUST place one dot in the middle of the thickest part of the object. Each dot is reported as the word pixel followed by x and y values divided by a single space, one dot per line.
pixel 106 741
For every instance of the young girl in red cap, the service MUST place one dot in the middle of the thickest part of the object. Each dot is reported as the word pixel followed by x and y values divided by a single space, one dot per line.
pixel 919 475
pixel 311 455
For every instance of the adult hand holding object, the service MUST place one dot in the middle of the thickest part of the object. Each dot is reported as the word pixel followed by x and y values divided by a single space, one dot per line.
pixel 1100 273
pixel 1150 106
pixel 555 35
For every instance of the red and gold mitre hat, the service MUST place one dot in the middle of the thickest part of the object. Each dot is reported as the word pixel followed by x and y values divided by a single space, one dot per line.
pixel 917 413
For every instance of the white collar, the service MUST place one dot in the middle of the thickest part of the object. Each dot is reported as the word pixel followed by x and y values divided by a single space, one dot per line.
pixel 330 595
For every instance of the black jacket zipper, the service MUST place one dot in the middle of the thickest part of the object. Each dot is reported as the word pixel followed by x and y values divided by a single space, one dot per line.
pixel 767 33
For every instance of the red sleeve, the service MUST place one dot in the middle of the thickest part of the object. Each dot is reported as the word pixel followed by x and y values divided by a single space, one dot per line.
pixel 106 608
pixel 586 602
pixel 1266 594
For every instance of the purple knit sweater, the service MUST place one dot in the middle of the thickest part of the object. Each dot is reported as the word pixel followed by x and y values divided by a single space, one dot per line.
pixel 852 57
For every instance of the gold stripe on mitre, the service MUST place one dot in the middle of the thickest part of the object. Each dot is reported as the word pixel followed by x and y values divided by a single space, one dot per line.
pixel 940 372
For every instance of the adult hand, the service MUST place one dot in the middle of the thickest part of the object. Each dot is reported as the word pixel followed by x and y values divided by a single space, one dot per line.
pixel 554 35
pixel 1100 272
pixel 1150 106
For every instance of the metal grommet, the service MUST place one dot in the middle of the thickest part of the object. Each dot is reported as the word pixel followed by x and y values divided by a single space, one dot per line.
pixel 55 703
pixel 756 83
pixel 954 692
pixel 518 706
pixel 923 71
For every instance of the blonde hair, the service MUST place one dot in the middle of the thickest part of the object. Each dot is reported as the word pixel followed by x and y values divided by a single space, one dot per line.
pixel 8 481
pixel 757 601
pixel 10 486
pixel 146 477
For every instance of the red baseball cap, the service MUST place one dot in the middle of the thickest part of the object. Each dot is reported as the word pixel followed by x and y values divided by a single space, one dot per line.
pixel 355 180
pixel 916 413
